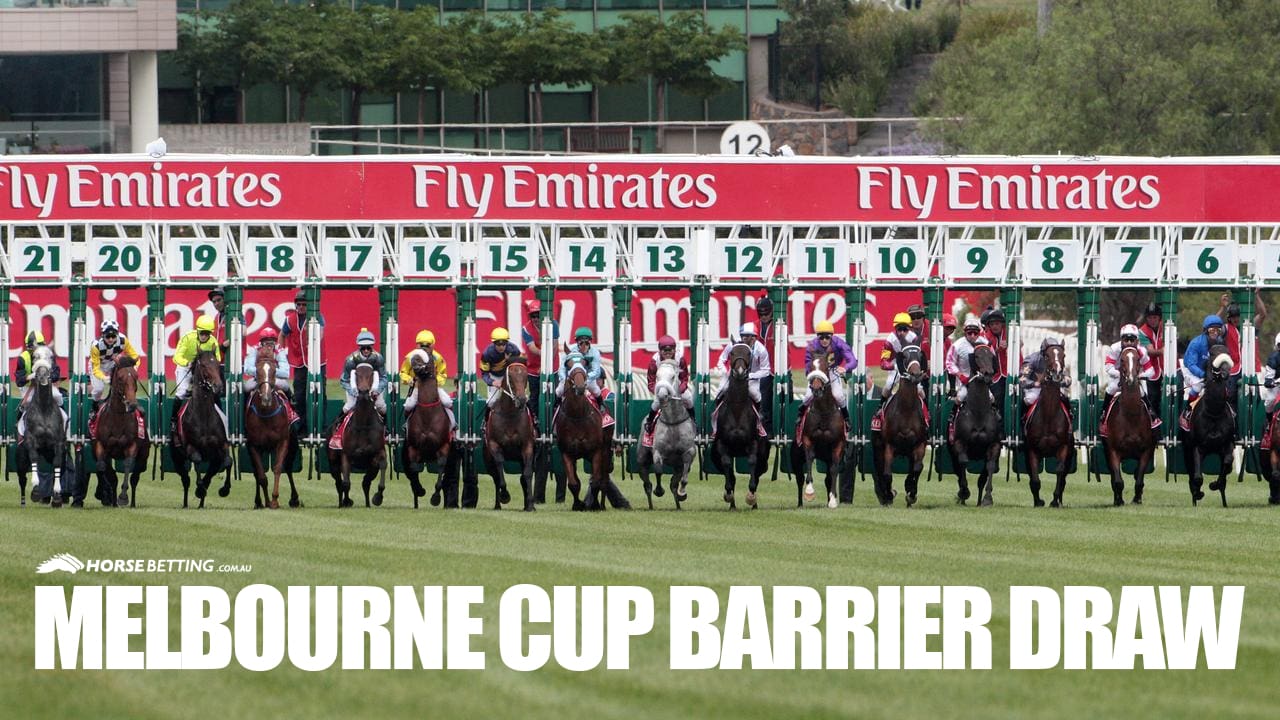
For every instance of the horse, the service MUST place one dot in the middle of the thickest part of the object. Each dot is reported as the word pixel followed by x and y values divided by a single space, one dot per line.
pixel 1273 479
pixel 737 425
pixel 1048 431
pixel 674 438
pixel 1128 428
pixel 821 436
pixel 200 435
pixel 978 429
pixel 428 435
pixel 363 443
pixel 509 432
pixel 116 438
pixel 1213 428
pixel 46 433
pixel 266 430
pixel 903 430
pixel 580 435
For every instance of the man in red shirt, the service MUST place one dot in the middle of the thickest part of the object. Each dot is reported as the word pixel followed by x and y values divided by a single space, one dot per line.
pixel 764 313
pixel 531 334
pixel 218 298
pixel 1231 312
pixel 948 329
pixel 997 334
pixel 1151 335
pixel 294 333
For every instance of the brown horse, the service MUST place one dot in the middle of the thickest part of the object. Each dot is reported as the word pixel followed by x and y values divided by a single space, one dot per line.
pixel 266 430
pixel 117 438
pixel 363 443
pixel 580 436
pixel 427 432
pixel 1048 433
pixel 820 437
pixel 903 430
pixel 1213 428
pixel 1273 477
pixel 1128 424
pixel 509 433
pixel 736 432
pixel 201 436
pixel 978 429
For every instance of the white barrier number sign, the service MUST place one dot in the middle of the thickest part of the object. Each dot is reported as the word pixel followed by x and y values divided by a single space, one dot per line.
pixel 1052 260
pixel 275 258
pixel 975 260
pixel 40 259
pixel 509 259
pixel 429 259
pixel 662 258
pixel 353 258
pixel 585 258
pixel 122 258
pixel 1268 267
pixel 1131 260
pixel 196 258
pixel 899 260
pixel 1202 260
pixel 744 259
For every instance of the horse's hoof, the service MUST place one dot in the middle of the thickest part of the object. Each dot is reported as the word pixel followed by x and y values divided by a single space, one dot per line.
pixel 911 499
pixel 348 502
pixel 1038 502
pixel 1118 502
pixel 1273 500
pixel 56 500
pixel 1196 497
pixel 988 502
pixel 77 503
pixel 200 492
pixel 657 490
pixel 1137 499
pixel 963 495
pixel 275 504
pixel 832 501
pixel 529 507
pixel 728 497
pixel 295 502
pixel 122 501
pixel 1056 503
pixel 435 499
pixel 809 493
pixel 418 490
pixel 681 497
pixel 578 505
pixel 504 495
pixel 751 499
pixel 1216 485
pixel 224 491
pixel 22 503
pixel 377 499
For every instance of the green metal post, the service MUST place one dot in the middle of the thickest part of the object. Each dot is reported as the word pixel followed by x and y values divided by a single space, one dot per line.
pixel 78 403
pixel 389 299
pixel 1170 397
pixel 699 358
pixel 317 393
pixel 1247 400
pixel 546 293
pixel 855 304
pixel 1087 419
pixel 622 294
pixel 783 383
pixel 157 408
pixel 236 343
pixel 1011 304
pixel 6 437
pixel 937 372
pixel 467 426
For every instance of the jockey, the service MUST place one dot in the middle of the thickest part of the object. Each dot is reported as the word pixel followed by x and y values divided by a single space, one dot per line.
pixel 1197 356
pixel 426 346
pixel 840 360
pixel 901 337
pixel 667 353
pixel 189 347
pixel 1271 371
pixel 22 377
pixel 959 358
pixel 365 355
pixel 500 353
pixel 1128 338
pixel 759 363
pixel 1151 335
pixel 591 360
pixel 267 346
pixel 1033 371
pixel 102 358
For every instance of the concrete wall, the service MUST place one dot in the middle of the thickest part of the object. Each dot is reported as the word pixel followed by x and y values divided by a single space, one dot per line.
pixel 834 137
pixel 148 25
pixel 230 139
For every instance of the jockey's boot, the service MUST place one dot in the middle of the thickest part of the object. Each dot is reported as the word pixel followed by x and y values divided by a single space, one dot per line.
pixel 649 421
pixel 178 404
pixel 844 413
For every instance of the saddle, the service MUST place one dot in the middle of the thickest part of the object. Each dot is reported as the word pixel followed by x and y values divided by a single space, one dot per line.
pixel 804 413
pixel 340 427
pixel 283 405
pixel 1155 419
pixel 93 422
pixel 606 419
pixel 1026 416
pixel 1184 420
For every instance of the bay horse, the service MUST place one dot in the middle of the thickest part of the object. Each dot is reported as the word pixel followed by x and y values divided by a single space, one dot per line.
pixel 46 434
pixel 1213 428
pixel 363 442
pixel 1048 428
pixel 978 429
pixel 674 438
pixel 736 428
pixel 581 436
pixel 1273 477
pixel 1128 428
pixel 428 436
pixel 509 433
pixel 116 438
pixel 200 437
pixel 820 436
pixel 903 429
pixel 267 431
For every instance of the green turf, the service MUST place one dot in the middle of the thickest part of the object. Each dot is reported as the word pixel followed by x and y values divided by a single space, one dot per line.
pixel 1165 541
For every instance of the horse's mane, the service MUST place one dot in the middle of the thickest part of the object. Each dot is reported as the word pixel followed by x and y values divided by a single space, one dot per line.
pixel 126 361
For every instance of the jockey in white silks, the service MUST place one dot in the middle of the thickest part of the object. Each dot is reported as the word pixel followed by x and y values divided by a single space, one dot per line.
pixel 759 363
pixel 959 358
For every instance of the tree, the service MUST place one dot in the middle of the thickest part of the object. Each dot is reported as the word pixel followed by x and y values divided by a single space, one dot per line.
pixel 201 53
pixel 301 51
pixel 425 56
pixel 364 53
pixel 544 49
pixel 676 52
pixel 247 55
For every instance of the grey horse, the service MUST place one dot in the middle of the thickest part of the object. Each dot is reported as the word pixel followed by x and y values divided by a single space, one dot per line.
pixel 45 431
pixel 673 438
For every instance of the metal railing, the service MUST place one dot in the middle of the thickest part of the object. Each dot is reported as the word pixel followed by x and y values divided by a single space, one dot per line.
pixel 586 138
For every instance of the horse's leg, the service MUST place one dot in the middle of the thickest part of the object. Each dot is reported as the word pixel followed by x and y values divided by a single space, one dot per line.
pixel 884 473
pixel 1224 469
pixel 365 484
pixel 913 476
pixel 137 464
pixel 959 459
pixel 1139 475
pixel 798 467
pixel 1033 469
pixel 681 491
pixel 1064 460
pixel 759 461
pixel 527 454
pixel 644 458
pixel 59 449
pixel 725 461
pixel 1117 475
pixel 991 469
pixel 1273 479
pixel 603 472
pixel 126 470
pixel 411 459
pixel 494 462
pixel 294 500
pixel 221 464
pixel 100 459
pixel 1194 479
pixel 344 486
pixel 833 473
pixel 259 478
pixel 278 466
pixel 571 480
pixel 23 459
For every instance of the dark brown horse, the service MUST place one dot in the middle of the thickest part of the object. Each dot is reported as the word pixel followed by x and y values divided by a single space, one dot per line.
pixel 267 431
pixel 117 438
pixel 1273 477
pixel 1048 432
pixel 820 437
pixel 509 433
pixel 736 433
pixel 979 430
pixel 580 436
pixel 903 429
pixel 1213 428
pixel 1129 434
pixel 201 437
pixel 363 443
pixel 427 432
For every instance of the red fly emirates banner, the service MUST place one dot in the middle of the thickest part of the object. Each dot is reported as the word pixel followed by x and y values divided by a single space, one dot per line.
pixel 650 189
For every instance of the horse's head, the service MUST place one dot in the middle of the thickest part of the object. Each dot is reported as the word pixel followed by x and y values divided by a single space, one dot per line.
pixel 517 383
pixel 364 380
pixel 740 361
pixel 1220 363
pixel 42 364
pixel 1055 364
pixel 1130 362
pixel 664 385
pixel 984 361
pixel 422 363
pixel 265 370
pixel 819 379
pixel 577 377
pixel 124 382
pixel 913 365
pixel 208 372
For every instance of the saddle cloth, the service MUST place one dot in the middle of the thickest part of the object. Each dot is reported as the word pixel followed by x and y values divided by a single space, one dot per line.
pixel 1026 416
pixel 1184 420
pixel 877 420
pixel 1102 424
pixel 606 419
pixel 284 402
pixel 93 423
pixel 804 412
pixel 715 425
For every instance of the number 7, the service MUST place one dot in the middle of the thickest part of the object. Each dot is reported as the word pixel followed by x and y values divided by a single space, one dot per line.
pixel 1131 257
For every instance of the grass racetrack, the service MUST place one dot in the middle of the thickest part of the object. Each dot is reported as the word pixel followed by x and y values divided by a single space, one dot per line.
pixel 1165 541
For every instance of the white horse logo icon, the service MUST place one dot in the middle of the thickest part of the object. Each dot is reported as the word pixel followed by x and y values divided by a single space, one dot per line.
pixel 64 562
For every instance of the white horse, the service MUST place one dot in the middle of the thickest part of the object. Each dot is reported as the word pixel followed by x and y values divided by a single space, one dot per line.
pixel 674 437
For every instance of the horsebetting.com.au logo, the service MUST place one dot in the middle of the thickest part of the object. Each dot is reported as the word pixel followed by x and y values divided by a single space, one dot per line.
pixel 68 563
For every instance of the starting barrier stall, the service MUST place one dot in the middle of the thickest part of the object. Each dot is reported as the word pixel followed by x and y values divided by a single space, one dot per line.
pixel 704 225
